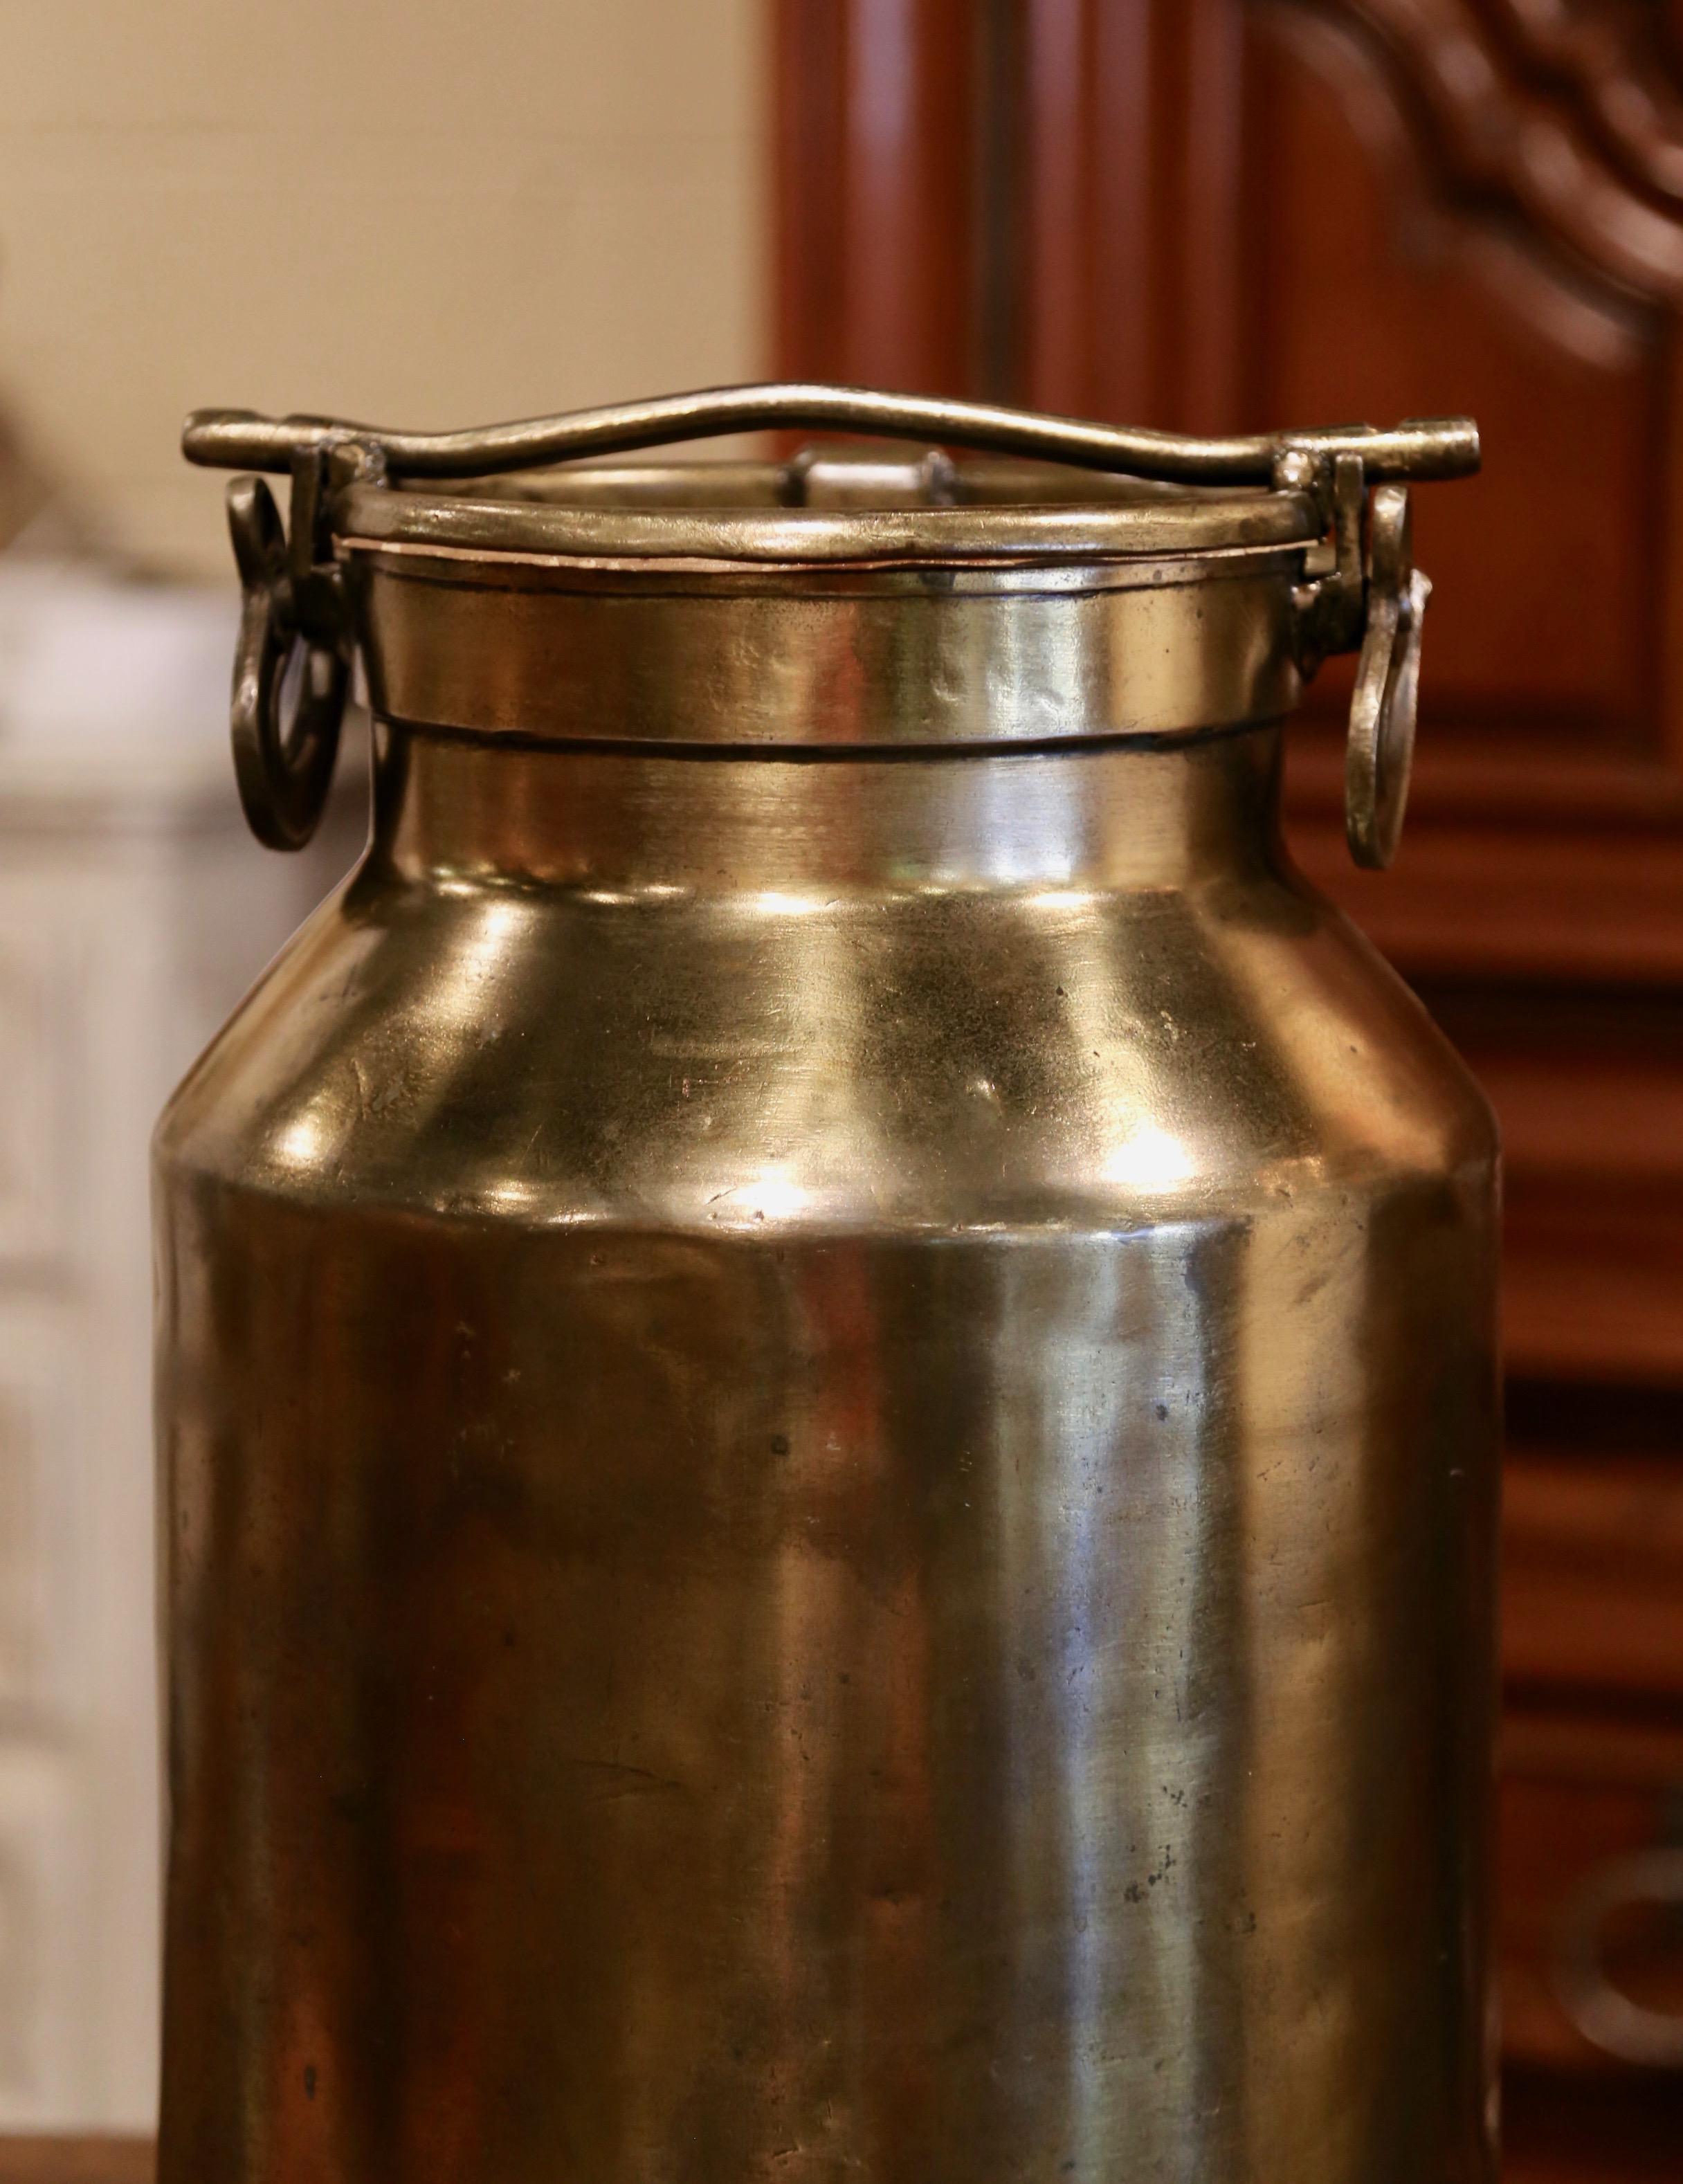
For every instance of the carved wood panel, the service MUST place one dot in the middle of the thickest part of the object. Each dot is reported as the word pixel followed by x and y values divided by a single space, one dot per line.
pixel 1374 282
pixel 1215 214
pixel 1221 213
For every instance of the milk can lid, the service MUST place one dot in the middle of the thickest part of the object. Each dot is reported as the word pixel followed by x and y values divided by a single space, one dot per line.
pixel 1051 493
pixel 827 506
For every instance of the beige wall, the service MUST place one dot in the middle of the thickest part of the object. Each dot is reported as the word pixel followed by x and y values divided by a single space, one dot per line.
pixel 423 212
pixel 440 212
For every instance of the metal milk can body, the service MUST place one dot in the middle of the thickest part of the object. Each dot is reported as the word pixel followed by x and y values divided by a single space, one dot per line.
pixel 826 1385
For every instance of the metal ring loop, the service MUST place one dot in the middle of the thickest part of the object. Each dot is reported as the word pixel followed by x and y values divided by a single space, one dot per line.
pixel 1608 2018
pixel 284 771
pixel 1385 706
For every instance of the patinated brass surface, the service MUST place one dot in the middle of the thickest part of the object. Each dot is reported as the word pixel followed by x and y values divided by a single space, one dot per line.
pixel 827 1400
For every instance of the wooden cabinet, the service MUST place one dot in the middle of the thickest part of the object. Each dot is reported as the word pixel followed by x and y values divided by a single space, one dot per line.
pixel 1219 214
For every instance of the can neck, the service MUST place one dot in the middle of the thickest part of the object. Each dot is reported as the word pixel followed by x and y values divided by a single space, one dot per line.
pixel 1115 815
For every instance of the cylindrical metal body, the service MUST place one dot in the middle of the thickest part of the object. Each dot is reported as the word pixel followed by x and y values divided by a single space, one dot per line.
pixel 827 1395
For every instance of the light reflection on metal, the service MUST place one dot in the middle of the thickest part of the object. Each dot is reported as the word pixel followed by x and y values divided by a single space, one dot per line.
pixel 827 1363
pixel 1150 1160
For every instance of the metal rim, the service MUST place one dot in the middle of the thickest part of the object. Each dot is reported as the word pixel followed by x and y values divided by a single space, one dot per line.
pixel 994 535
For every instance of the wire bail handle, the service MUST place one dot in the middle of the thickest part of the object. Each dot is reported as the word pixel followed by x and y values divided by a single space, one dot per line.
pixel 294 603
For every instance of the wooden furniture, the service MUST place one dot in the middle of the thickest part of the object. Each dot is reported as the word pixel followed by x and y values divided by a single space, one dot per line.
pixel 1234 214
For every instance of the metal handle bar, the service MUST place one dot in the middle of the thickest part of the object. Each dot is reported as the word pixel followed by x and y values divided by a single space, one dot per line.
pixel 239 439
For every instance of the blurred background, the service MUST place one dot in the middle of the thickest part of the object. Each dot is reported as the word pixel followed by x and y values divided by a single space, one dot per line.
pixel 420 211
pixel 1210 214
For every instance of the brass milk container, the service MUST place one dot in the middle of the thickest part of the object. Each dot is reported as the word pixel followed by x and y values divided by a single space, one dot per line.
pixel 826 1369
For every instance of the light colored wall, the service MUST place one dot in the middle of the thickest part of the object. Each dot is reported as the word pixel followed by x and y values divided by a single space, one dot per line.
pixel 421 212
pixel 432 212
